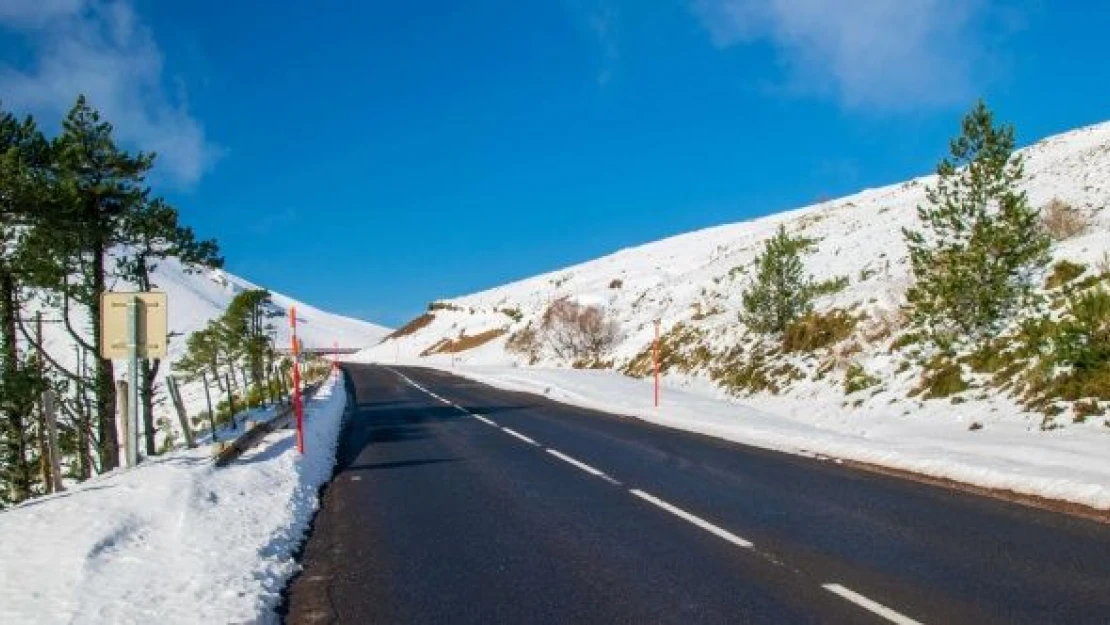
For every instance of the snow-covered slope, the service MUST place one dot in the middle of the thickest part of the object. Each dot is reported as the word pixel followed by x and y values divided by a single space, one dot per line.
pixel 697 278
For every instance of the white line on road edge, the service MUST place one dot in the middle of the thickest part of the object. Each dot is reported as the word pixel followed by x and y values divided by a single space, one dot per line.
pixel 700 522
pixel 485 420
pixel 519 435
pixel 868 604
pixel 581 465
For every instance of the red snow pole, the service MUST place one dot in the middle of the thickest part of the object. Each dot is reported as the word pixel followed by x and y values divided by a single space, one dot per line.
pixel 655 361
pixel 298 408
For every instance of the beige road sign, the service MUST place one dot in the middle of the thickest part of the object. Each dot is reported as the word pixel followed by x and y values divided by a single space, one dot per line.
pixel 152 328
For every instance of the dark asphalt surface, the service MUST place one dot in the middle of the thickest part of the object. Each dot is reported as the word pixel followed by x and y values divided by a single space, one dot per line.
pixel 435 516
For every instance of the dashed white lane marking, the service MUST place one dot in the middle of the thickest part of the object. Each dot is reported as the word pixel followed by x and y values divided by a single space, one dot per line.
pixel 700 522
pixel 868 604
pixel 581 465
pixel 519 435
pixel 837 589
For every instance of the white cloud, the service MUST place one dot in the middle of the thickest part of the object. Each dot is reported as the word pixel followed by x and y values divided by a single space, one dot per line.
pixel 868 54
pixel 603 23
pixel 103 49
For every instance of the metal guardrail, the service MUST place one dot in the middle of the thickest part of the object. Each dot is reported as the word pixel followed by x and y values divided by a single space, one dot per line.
pixel 254 435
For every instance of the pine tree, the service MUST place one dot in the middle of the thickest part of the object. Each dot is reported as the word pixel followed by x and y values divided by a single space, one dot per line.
pixel 246 330
pixel 981 246
pixel 100 185
pixel 24 155
pixel 780 291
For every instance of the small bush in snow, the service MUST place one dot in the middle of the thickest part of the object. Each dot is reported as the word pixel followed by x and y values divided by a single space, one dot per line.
pixel 942 378
pixel 857 379
pixel 1064 272
pixel 1088 408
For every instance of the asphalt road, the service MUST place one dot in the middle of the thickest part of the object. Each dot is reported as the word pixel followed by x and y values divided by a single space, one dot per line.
pixel 457 503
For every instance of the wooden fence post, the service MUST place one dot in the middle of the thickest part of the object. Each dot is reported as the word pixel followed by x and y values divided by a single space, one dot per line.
pixel 182 416
pixel 208 398
pixel 231 401
pixel 52 441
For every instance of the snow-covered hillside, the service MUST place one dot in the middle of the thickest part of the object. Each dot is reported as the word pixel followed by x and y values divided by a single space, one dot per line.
pixel 697 278
pixel 692 283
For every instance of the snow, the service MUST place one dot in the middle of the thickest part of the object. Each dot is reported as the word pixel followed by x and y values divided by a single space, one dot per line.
pixel 1063 464
pixel 697 278
pixel 175 540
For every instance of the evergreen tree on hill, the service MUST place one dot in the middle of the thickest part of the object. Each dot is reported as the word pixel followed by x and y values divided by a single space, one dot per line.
pixel 781 290
pixel 981 246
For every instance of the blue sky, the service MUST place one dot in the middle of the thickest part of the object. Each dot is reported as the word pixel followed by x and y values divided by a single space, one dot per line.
pixel 368 157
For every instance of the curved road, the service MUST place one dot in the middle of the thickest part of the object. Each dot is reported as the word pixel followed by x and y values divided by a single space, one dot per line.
pixel 457 503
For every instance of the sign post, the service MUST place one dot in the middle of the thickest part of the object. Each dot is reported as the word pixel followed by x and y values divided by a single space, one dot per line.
pixel 133 326
pixel 133 380
pixel 298 409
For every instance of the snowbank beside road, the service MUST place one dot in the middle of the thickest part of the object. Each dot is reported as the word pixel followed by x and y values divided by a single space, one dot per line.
pixel 175 540
pixel 1067 465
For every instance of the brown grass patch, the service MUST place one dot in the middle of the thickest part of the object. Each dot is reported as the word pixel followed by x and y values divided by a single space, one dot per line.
pixel 412 327
pixel 463 343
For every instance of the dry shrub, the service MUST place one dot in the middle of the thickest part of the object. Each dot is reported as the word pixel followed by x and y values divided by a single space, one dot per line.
pixel 575 332
pixel 441 305
pixel 525 342
pixel 1061 221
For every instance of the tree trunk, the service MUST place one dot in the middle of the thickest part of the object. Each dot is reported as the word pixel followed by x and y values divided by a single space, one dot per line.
pixel 214 371
pixel 84 445
pixel 105 387
pixel 19 469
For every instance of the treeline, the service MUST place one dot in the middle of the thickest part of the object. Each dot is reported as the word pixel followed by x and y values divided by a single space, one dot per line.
pixel 77 218
pixel 235 352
